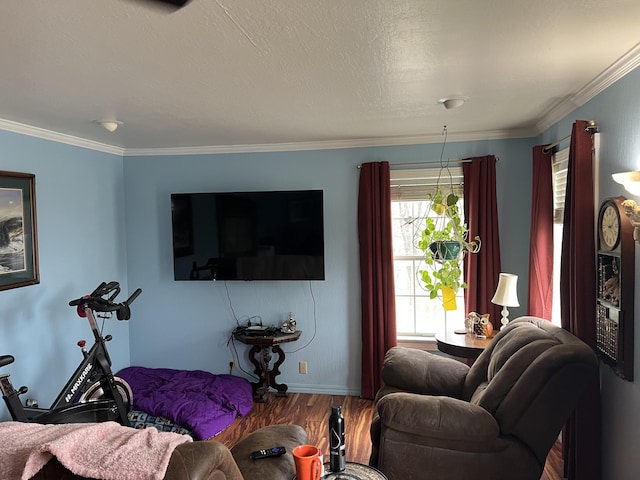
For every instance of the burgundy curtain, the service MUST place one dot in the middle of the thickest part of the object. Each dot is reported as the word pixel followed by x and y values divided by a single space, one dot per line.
pixel 376 273
pixel 481 214
pixel 541 238
pixel 581 441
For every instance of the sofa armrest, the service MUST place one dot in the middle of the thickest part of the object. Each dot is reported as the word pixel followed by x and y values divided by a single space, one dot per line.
pixel 418 371
pixel 202 461
pixel 439 418
pixel 273 468
pixel 189 461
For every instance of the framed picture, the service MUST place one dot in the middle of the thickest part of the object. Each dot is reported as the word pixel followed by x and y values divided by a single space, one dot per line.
pixel 18 237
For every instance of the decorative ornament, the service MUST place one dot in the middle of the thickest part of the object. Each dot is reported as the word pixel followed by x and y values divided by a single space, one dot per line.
pixel 289 325
pixel 479 325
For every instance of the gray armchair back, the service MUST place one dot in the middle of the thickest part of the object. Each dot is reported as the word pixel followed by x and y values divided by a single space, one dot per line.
pixel 438 418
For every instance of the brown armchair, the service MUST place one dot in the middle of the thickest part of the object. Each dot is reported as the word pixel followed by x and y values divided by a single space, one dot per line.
pixel 437 418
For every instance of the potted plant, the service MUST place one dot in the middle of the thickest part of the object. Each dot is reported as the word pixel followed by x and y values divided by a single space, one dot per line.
pixel 444 242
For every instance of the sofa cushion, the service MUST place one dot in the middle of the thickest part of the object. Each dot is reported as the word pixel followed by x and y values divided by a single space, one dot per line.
pixel 272 468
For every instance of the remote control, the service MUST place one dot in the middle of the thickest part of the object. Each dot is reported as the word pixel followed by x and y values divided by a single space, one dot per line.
pixel 269 452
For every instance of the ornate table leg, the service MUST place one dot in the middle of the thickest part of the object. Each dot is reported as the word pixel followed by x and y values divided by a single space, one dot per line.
pixel 280 387
pixel 260 357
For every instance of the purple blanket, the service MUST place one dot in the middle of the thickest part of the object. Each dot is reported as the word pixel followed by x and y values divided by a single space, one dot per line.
pixel 201 401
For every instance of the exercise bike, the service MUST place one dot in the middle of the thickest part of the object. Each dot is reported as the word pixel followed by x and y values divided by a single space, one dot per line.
pixel 93 393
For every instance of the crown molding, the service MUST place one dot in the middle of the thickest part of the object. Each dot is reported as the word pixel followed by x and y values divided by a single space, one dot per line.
pixel 625 64
pixel 44 134
pixel 331 144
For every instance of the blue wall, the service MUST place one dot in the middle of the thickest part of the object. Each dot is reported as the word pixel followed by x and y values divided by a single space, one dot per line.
pixel 617 113
pixel 188 324
pixel 81 241
pixel 104 217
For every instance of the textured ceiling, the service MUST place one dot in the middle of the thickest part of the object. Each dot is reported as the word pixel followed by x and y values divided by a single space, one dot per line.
pixel 246 72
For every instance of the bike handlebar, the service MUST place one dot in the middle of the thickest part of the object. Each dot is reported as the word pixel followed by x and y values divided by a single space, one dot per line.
pixel 97 303
pixel 133 296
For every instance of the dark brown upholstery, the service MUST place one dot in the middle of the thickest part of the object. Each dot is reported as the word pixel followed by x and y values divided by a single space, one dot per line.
pixel 274 468
pixel 437 418
pixel 212 460
pixel 189 461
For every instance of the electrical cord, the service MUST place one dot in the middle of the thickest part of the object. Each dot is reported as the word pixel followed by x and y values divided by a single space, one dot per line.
pixel 235 317
pixel 315 323
pixel 231 341
pixel 237 358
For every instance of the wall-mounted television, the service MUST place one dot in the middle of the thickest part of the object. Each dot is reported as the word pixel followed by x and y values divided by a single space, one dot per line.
pixel 270 235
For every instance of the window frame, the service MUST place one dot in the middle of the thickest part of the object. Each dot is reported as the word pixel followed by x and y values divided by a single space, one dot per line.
pixel 414 185
pixel 559 169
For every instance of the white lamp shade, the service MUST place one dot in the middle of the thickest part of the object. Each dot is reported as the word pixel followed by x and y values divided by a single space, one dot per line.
pixel 507 291
pixel 630 181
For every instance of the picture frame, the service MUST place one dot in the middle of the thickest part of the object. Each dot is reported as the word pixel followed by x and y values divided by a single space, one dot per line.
pixel 18 231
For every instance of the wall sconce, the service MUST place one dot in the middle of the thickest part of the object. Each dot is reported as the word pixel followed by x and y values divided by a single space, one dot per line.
pixel 631 183
pixel 506 295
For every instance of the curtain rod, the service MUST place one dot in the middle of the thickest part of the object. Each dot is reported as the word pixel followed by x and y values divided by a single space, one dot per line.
pixel 431 162
pixel 548 148
pixel 591 127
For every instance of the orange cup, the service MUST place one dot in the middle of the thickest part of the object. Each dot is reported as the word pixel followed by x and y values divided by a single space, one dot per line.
pixel 308 461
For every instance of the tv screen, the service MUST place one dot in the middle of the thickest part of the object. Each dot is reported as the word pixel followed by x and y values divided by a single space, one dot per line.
pixel 276 235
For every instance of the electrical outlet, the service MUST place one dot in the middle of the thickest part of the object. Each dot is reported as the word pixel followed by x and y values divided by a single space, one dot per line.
pixel 302 368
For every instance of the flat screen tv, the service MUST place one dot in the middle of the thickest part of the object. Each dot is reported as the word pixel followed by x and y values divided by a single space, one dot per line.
pixel 271 235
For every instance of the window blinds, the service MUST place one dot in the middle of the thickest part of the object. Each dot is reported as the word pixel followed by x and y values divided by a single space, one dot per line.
pixel 416 184
pixel 560 165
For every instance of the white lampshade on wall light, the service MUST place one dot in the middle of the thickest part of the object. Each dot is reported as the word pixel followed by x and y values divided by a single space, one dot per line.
pixel 631 183
pixel 506 295
pixel 110 125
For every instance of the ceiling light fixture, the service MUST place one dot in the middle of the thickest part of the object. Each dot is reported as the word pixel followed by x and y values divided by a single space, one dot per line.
pixel 110 125
pixel 453 101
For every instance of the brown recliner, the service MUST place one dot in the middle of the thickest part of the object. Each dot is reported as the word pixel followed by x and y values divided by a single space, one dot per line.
pixel 437 418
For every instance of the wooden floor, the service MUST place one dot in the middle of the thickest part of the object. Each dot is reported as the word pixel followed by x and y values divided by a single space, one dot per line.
pixel 311 411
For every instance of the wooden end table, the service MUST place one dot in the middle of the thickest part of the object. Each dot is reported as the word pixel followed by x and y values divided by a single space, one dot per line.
pixel 462 345
pixel 260 356
pixel 353 471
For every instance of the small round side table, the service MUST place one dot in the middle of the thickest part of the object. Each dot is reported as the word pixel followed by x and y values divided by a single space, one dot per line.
pixel 353 471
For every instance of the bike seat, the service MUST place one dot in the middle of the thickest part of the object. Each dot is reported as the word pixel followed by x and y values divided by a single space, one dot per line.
pixel 6 360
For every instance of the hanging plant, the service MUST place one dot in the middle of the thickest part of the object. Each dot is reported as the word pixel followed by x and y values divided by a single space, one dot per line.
pixel 445 240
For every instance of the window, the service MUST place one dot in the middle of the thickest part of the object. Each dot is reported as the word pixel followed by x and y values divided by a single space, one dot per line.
pixel 559 165
pixel 416 314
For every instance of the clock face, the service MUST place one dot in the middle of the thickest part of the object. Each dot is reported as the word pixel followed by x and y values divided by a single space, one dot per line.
pixel 609 227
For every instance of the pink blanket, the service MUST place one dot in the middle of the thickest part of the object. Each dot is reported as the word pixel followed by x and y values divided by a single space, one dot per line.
pixel 105 451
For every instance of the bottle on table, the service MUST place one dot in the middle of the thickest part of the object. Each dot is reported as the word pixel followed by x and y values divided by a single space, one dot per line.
pixel 337 451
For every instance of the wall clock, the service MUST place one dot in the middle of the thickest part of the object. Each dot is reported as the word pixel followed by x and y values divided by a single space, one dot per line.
pixel 609 225
pixel 616 277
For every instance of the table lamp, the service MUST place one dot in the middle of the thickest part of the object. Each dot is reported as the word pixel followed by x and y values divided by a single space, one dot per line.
pixel 506 295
